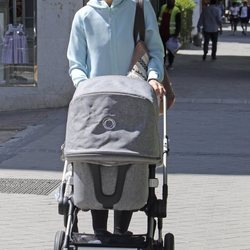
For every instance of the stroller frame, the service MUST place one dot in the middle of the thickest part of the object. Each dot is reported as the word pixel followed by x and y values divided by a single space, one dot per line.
pixel 155 209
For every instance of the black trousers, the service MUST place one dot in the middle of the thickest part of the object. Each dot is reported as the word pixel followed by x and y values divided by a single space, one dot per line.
pixel 121 220
pixel 213 36
pixel 169 56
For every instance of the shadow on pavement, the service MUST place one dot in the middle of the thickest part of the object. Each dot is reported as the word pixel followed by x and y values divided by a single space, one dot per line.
pixel 208 126
pixel 224 78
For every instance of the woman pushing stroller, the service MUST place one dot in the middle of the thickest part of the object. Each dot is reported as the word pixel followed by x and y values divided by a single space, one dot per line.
pixel 101 43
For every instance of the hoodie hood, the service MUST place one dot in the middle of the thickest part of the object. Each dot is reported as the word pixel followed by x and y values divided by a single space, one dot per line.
pixel 101 4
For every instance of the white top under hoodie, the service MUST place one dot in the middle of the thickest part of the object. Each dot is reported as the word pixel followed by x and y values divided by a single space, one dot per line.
pixel 101 40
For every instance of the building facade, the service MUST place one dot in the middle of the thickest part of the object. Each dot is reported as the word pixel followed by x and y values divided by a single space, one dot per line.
pixel 33 65
pixel 34 36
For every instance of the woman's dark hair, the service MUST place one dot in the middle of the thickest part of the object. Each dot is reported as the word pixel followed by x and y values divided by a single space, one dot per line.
pixel 170 4
pixel 213 2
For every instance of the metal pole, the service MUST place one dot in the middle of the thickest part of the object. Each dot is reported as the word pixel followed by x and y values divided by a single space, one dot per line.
pixel 165 140
pixel 23 12
pixel 14 12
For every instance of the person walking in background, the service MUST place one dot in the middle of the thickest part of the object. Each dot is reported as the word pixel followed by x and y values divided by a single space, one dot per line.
pixel 234 16
pixel 210 21
pixel 221 7
pixel 102 43
pixel 244 16
pixel 169 26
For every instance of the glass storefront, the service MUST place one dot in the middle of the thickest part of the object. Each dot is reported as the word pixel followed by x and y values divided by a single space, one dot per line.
pixel 18 46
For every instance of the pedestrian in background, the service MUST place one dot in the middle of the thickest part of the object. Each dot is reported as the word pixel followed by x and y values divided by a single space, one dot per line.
pixel 170 26
pixel 234 16
pixel 244 16
pixel 210 21
pixel 221 7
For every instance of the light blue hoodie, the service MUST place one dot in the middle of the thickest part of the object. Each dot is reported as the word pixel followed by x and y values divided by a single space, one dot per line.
pixel 101 40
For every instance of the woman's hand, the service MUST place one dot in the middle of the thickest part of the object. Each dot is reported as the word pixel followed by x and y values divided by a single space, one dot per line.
pixel 158 87
pixel 161 90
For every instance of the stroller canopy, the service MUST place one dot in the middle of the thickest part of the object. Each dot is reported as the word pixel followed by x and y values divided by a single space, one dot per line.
pixel 113 119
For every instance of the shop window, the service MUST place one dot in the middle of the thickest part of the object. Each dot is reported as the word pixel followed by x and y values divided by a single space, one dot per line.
pixel 18 65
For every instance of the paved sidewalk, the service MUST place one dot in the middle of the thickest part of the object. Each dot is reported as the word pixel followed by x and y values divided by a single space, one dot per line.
pixel 209 163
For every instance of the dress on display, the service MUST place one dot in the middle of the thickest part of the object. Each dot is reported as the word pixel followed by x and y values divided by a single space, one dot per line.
pixel 15 49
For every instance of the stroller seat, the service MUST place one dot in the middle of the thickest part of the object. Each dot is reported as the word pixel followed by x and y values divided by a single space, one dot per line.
pixel 127 191
pixel 111 137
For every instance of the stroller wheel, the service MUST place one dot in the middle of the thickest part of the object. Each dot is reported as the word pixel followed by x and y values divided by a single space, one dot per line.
pixel 59 239
pixel 169 241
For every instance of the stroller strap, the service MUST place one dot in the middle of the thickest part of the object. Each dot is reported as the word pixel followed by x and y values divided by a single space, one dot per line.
pixel 106 200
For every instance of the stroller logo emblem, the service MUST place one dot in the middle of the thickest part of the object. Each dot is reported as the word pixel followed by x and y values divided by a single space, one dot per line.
pixel 109 123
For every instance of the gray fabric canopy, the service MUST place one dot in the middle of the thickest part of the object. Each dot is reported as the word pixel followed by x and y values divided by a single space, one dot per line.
pixel 113 119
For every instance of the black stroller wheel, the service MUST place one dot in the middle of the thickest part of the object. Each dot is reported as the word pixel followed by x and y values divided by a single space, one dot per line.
pixel 169 242
pixel 59 239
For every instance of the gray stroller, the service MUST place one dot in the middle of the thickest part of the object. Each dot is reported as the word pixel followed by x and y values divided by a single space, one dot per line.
pixel 111 149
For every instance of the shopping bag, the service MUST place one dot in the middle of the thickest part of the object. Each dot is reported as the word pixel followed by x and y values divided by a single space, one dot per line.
pixel 173 44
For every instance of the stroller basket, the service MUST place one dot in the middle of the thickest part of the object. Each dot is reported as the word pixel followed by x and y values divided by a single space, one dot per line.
pixel 113 119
